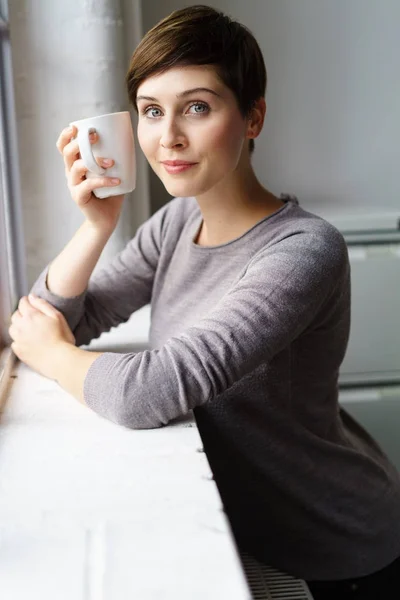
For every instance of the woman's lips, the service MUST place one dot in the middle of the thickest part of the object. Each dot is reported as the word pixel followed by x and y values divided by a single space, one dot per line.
pixel 172 169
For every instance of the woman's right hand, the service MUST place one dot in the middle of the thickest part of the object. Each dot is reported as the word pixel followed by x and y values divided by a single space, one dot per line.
pixel 102 213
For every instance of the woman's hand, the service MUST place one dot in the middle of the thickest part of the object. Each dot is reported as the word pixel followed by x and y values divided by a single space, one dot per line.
pixel 38 330
pixel 102 213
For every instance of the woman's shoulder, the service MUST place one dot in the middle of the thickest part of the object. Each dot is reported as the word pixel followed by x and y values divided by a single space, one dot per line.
pixel 300 237
pixel 308 226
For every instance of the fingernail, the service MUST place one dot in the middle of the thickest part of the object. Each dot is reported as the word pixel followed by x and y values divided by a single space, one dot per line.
pixel 107 162
pixel 114 180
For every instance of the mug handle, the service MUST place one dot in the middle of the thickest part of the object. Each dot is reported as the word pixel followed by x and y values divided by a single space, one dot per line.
pixel 85 148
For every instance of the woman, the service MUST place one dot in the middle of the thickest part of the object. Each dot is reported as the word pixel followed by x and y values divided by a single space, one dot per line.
pixel 250 300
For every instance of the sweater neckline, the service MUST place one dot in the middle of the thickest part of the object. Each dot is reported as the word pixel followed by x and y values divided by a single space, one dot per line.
pixel 289 201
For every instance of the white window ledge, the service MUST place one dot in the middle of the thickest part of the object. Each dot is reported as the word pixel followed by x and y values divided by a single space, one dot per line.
pixel 90 510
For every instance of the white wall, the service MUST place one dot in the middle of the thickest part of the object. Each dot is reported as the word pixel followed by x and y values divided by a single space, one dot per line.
pixel 69 61
pixel 332 128
pixel 333 112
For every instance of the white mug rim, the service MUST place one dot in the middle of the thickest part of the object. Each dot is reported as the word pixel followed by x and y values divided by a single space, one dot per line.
pixel 123 112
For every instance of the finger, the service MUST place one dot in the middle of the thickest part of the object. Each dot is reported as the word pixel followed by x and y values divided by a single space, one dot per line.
pixel 15 317
pixel 24 306
pixel 71 150
pixel 65 137
pixel 98 182
pixel 79 170
pixel 17 351
pixel 43 306
pixel 71 154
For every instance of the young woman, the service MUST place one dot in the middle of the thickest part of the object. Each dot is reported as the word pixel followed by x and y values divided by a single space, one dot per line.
pixel 250 306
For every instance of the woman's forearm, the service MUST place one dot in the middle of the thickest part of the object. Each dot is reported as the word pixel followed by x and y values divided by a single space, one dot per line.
pixel 68 366
pixel 69 273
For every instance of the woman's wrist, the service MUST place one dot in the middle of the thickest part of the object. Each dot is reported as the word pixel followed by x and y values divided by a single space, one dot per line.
pixel 102 231
pixel 57 357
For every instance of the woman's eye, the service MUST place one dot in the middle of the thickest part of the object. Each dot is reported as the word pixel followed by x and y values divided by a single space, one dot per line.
pixel 199 105
pixel 197 108
pixel 149 112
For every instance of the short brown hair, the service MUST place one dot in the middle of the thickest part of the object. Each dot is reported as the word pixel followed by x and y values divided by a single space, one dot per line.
pixel 201 35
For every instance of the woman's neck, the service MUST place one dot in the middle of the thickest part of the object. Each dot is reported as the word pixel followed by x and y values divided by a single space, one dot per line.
pixel 233 207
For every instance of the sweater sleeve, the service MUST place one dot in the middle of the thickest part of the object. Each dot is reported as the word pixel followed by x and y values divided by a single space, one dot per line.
pixel 117 290
pixel 284 288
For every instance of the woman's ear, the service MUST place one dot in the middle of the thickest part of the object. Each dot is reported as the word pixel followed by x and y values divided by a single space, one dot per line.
pixel 256 118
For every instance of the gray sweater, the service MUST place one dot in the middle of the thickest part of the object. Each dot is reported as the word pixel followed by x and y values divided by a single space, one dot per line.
pixel 250 334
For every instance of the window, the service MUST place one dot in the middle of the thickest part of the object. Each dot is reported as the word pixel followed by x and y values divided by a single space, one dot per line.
pixel 12 263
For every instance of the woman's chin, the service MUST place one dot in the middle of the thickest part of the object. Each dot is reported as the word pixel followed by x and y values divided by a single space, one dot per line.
pixel 180 190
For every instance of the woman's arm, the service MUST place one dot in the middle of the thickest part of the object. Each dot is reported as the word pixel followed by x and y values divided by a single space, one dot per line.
pixel 112 294
pixel 69 273
pixel 68 366
pixel 284 291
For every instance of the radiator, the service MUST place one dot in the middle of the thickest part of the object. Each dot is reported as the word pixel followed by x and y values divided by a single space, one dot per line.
pixel 267 583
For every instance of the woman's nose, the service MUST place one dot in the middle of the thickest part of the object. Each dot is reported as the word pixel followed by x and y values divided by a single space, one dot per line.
pixel 172 135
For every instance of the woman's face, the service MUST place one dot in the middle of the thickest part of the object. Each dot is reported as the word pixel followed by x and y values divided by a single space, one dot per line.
pixel 188 114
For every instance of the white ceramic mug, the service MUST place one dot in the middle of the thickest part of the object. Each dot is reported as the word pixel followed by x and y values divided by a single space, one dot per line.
pixel 115 141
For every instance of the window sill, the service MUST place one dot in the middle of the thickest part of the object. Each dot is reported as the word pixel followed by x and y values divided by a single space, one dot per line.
pixel 7 361
pixel 90 509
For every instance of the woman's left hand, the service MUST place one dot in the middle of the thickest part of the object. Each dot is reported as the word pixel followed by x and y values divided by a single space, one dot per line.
pixel 38 330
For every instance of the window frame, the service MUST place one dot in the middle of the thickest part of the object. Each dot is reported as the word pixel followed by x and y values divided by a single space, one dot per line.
pixel 13 282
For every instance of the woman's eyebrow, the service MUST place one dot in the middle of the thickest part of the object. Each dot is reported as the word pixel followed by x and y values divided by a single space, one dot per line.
pixel 181 94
